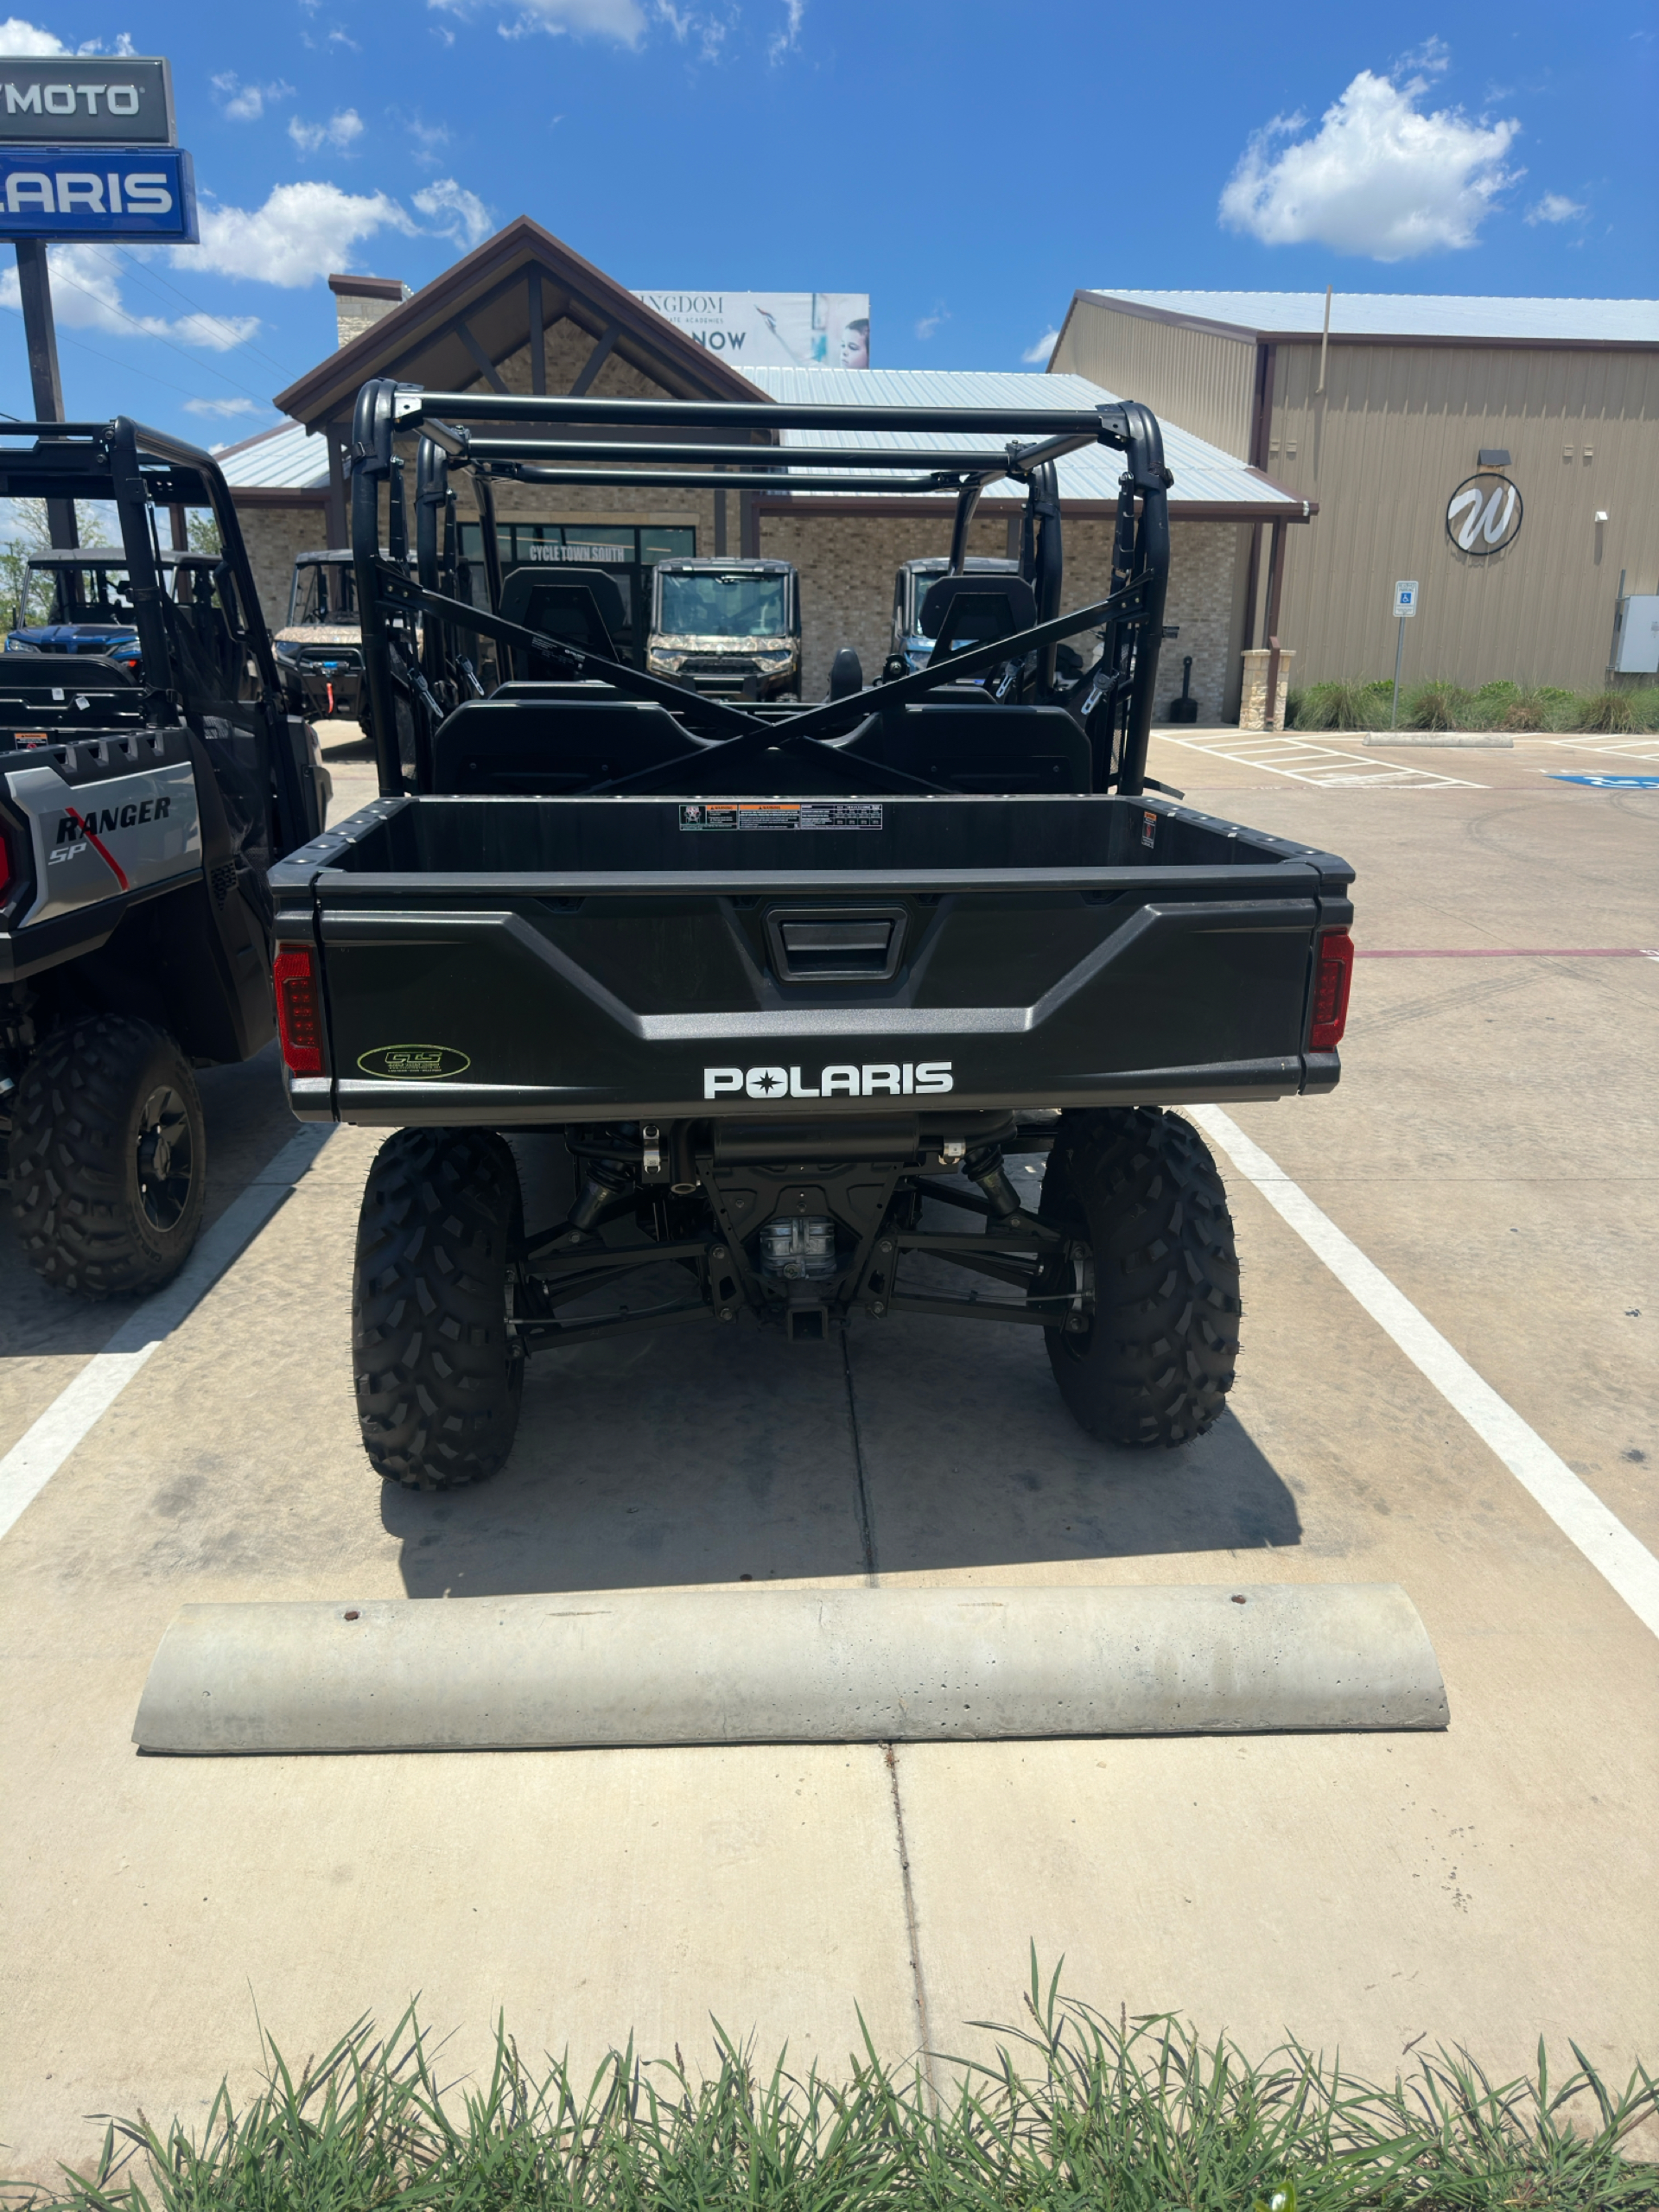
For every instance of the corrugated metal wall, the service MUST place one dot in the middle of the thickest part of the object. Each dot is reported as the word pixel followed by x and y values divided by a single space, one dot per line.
pixel 1198 379
pixel 1396 430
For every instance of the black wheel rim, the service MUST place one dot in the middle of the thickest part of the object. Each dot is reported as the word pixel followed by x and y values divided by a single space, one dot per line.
pixel 165 1158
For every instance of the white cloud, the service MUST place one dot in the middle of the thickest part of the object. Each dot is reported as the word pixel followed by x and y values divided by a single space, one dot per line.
pixel 454 212
pixel 1378 177
pixel 341 131
pixel 1556 207
pixel 225 407
pixel 928 323
pixel 622 20
pixel 302 232
pixel 87 296
pixel 1040 352
pixel 789 38
pixel 710 31
pixel 17 36
pixel 246 103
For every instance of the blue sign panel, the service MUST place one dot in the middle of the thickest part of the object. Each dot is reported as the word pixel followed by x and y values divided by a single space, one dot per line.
pixel 98 192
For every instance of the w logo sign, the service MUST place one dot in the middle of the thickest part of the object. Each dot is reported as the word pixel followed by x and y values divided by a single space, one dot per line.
pixel 1483 515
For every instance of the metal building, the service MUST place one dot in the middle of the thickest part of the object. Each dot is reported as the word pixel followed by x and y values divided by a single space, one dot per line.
pixel 1504 454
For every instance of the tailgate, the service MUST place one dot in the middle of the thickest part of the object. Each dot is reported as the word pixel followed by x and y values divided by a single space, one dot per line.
pixel 698 986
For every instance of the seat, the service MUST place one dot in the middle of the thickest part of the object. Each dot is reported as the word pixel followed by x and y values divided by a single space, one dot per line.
pixel 976 610
pixel 541 748
pixel 986 748
pixel 583 610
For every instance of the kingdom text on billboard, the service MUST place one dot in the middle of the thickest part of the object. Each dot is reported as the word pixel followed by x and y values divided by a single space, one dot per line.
pixel 773 330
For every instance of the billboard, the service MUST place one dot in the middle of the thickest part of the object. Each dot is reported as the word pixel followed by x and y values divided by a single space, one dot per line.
pixel 773 330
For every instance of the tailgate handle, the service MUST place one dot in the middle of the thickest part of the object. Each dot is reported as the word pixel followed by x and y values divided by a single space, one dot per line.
pixel 819 945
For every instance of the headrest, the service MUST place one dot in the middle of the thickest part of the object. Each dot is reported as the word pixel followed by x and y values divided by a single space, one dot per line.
pixel 973 610
pixel 845 674
pixel 585 610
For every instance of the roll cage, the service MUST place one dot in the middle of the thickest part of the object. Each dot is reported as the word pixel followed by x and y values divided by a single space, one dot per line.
pixel 649 444
pixel 191 654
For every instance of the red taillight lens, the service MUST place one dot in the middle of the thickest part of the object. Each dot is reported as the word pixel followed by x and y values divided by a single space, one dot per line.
pixel 299 1010
pixel 1330 983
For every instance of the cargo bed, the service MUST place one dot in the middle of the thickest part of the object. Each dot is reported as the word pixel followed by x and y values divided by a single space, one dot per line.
pixel 560 960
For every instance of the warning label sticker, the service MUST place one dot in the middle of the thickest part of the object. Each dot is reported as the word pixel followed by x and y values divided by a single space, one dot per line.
pixel 782 814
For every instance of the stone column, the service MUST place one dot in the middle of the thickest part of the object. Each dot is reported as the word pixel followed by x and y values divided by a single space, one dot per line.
pixel 1253 705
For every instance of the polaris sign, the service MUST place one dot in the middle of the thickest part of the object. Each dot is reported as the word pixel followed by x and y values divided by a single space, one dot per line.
pixel 73 99
pixel 87 151
pixel 95 192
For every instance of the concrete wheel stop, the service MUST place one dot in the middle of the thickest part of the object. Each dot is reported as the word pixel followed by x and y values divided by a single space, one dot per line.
pixel 848 1665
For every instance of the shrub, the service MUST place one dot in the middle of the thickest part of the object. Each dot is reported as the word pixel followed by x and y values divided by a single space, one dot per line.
pixel 1340 702
pixel 1437 705
pixel 1528 708
pixel 1613 711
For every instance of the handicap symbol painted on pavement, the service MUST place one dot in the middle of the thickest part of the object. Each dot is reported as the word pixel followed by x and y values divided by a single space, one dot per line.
pixel 1608 783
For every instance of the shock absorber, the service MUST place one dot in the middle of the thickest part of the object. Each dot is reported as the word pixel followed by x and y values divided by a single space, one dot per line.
pixel 605 1180
pixel 985 1167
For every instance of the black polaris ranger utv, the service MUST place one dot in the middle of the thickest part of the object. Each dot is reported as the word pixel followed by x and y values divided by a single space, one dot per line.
pixel 779 980
pixel 139 807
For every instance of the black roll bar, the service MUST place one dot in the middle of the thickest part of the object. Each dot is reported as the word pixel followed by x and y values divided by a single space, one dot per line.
pixel 1131 615
pixel 432 410
pixel 1016 460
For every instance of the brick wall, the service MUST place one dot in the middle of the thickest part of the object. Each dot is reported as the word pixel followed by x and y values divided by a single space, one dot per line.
pixel 274 538
pixel 847 566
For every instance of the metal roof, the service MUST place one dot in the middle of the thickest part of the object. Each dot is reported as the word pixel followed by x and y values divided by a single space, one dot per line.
pixel 285 458
pixel 1408 315
pixel 1202 472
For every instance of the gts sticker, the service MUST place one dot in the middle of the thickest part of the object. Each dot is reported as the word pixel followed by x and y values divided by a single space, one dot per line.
pixel 414 1063
pixel 871 1079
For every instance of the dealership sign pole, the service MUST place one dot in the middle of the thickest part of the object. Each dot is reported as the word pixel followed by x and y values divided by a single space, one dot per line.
pixel 88 151
pixel 1405 606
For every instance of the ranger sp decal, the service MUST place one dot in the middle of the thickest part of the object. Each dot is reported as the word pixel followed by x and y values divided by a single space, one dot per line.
pixel 843 1079
pixel 98 840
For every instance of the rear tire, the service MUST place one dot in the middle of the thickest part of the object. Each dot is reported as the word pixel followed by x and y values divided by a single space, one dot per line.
pixel 108 1158
pixel 438 1367
pixel 1138 1192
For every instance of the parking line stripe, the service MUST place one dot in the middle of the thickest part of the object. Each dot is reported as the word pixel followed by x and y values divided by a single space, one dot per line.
pixel 35 1458
pixel 1609 1545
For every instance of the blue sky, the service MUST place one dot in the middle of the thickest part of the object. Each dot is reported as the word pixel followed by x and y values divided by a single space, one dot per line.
pixel 968 164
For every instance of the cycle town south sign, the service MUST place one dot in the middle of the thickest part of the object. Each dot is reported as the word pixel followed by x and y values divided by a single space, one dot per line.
pixel 1484 514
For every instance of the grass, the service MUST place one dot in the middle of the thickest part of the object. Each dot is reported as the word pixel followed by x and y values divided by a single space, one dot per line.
pixel 1076 2111
pixel 1348 703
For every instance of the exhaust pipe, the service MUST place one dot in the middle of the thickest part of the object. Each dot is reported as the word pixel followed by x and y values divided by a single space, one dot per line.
pixel 847 1665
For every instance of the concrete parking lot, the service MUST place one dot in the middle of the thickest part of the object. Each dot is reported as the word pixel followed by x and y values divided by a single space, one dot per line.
pixel 1492 1148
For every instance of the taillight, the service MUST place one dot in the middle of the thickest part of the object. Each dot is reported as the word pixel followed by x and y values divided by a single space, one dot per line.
pixel 299 1010
pixel 1330 983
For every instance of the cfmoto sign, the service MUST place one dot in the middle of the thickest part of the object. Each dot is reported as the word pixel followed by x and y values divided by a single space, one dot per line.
pixel 1484 514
